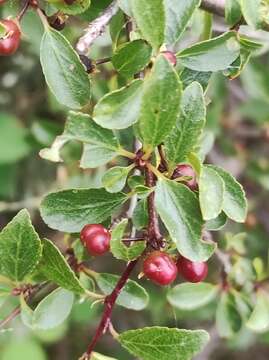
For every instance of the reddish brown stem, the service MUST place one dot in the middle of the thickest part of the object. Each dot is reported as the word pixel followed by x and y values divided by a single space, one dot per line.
pixel 154 234
pixel 10 317
pixel 110 301
pixel 23 10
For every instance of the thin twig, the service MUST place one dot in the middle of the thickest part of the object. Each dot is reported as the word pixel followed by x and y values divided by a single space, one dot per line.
pixel 216 7
pixel 11 316
pixel 96 28
pixel 23 10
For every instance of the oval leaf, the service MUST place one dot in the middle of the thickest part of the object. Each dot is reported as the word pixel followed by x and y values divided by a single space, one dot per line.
pixel 115 178
pixel 259 319
pixel 163 343
pixel 64 73
pixel 189 296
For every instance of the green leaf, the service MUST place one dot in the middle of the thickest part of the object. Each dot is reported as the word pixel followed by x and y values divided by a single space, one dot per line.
pixel 150 18
pixel 211 55
pixel 211 193
pixel 132 57
pixel 179 210
pixel 13 145
pixel 163 343
pixel 99 145
pixel 217 223
pixel 187 76
pixel 178 14
pixel 53 309
pixel 160 103
pixel 232 11
pixel 20 247
pixel 77 7
pixel 228 319
pixel 234 202
pixel 55 268
pixel 252 12
pixel 97 356
pixel 184 137
pixel 259 319
pixel 115 27
pixel 140 217
pixel 119 109
pixel 133 296
pixel 70 210
pixel 114 179
pixel 125 6
pixel 189 296
pixel 64 73
pixel 119 249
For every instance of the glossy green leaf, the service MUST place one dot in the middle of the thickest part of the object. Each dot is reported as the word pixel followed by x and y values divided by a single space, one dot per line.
pixel 119 109
pixel 189 296
pixel 53 309
pixel 177 16
pixel 114 179
pixel 184 137
pixel 232 11
pixel 150 18
pixel 217 223
pixel 77 7
pixel 115 27
pixel 133 296
pixel 228 319
pixel 163 343
pixel 211 55
pixel 132 57
pixel 187 76
pixel 252 12
pixel 234 202
pixel 179 210
pixel 140 217
pixel 119 249
pixel 70 210
pixel 211 193
pixel 20 247
pixel 55 268
pixel 259 319
pixel 99 145
pixel 160 103
pixel 64 73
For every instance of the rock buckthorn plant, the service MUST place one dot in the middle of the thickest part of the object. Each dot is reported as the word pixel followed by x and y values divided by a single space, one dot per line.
pixel 146 171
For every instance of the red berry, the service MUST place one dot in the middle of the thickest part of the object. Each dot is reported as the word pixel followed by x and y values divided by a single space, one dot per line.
pixel 160 268
pixel 186 170
pixel 2 2
pixel 192 271
pixel 170 57
pixel 96 238
pixel 11 41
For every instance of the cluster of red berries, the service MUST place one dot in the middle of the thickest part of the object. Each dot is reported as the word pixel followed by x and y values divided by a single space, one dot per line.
pixel 10 42
pixel 158 266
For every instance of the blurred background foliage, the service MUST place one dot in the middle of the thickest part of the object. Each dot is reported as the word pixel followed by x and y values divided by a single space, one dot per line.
pixel 30 118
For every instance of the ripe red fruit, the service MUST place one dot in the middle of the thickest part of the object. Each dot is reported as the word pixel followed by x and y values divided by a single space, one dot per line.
pixel 2 2
pixel 96 238
pixel 170 57
pixel 192 271
pixel 11 41
pixel 186 170
pixel 160 268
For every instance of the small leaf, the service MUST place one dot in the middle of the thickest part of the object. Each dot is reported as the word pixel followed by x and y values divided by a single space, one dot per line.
pixel 179 210
pixel 119 249
pixel 125 6
pixel 187 76
pixel 232 11
pixel 77 7
pixel 184 137
pixel 70 210
pixel 114 179
pixel 189 296
pixel 119 109
pixel 132 57
pixel 100 145
pixel 211 193
pixel 228 319
pixel 20 247
pixel 160 103
pixel 64 73
pixel 115 27
pixel 133 296
pixel 178 14
pixel 163 343
pixel 150 18
pixel 234 202
pixel 217 223
pixel 259 319
pixel 53 309
pixel 211 55
pixel 55 268
pixel 252 12
pixel 140 217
